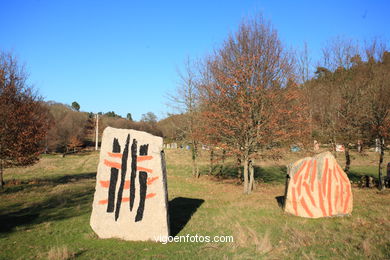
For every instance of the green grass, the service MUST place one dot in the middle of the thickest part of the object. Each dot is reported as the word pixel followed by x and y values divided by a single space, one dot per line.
pixel 45 211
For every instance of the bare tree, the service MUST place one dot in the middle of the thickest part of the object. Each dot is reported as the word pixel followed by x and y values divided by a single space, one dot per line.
pixel 377 109
pixel 149 117
pixel 340 94
pixel 339 52
pixel 185 101
pixel 304 64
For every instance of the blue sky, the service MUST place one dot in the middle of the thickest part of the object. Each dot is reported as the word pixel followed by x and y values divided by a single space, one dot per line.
pixel 123 56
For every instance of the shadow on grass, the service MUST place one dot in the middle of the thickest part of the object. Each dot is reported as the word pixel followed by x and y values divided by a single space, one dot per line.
pixel 272 174
pixel 13 186
pixel 356 176
pixel 180 212
pixel 221 171
pixel 61 205
pixel 280 200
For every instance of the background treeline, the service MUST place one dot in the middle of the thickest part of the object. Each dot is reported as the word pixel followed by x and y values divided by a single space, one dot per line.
pixel 71 130
pixel 349 95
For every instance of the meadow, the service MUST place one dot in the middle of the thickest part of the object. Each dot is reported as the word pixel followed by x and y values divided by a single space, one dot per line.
pixel 45 211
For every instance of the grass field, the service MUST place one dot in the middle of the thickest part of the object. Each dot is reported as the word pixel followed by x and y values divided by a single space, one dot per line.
pixel 45 211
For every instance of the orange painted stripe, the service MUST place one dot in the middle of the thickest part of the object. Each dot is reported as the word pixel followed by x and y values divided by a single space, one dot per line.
pixel 303 203
pixel 347 200
pixel 144 158
pixel 330 192
pixel 299 186
pixel 314 175
pixel 321 200
pixel 144 169
pixel 102 202
pixel 336 198
pixel 324 177
pixel 324 180
pixel 295 178
pixel 337 190
pixel 334 173
pixel 151 180
pixel 150 195
pixel 309 194
pixel 115 155
pixel 294 201
pixel 340 171
pixel 326 165
pixel 341 195
pixel 307 170
pixel 105 184
pixel 112 164
pixel 343 203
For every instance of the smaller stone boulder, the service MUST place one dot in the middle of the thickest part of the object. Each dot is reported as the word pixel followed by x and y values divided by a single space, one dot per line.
pixel 318 187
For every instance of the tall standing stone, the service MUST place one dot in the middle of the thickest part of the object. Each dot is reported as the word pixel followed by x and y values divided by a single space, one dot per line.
pixel 318 187
pixel 131 198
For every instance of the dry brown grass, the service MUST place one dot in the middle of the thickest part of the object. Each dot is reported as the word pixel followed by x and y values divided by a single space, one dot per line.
pixel 245 237
pixel 263 245
pixel 366 245
pixel 60 253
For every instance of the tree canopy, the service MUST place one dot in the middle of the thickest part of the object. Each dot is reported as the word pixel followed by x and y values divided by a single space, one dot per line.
pixel 76 106
pixel 24 120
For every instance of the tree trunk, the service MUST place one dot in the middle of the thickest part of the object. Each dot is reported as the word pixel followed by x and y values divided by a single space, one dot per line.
pixel 65 152
pixel 239 171
pixel 246 184
pixel 360 146
pixel 195 169
pixel 1 175
pixel 251 176
pixel 334 145
pixel 347 159
pixel 381 155
pixel 211 162
pixel 286 186
pixel 223 157
pixel 1 170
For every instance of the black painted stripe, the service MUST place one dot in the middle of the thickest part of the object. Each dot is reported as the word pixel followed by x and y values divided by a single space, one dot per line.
pixel 111 190
pixel 116 148
pixel 125 155
pixel 143 176
pixel 133 172
pixel 143 150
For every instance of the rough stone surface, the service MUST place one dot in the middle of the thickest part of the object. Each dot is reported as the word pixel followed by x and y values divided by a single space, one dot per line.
pixel 318 187
pixel 131 199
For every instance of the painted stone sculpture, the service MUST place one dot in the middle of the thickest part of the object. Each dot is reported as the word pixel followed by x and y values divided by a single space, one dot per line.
pixel 131 199
pixel 318 187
